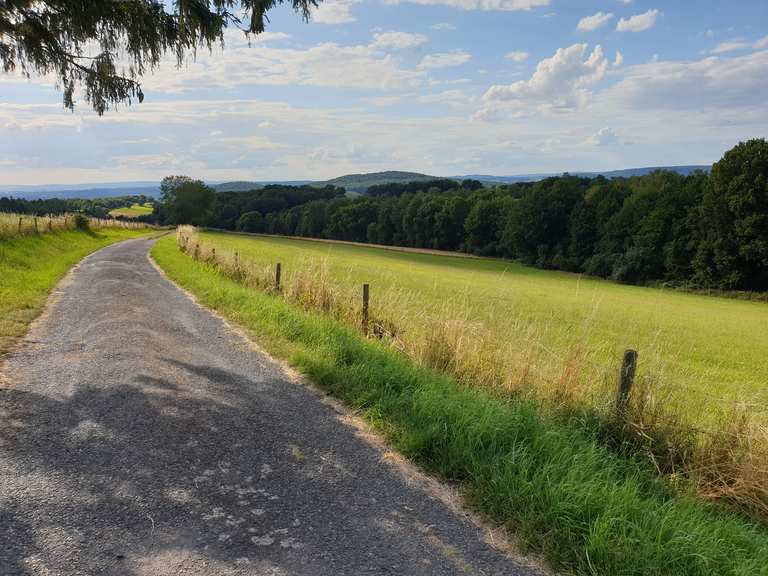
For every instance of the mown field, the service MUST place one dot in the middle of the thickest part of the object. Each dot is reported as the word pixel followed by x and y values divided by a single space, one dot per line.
pixel 133 211
pixel 701 353
pixel 32 264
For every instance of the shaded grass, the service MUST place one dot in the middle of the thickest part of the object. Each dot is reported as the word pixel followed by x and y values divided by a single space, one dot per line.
pixel 587 509
pixel 31 265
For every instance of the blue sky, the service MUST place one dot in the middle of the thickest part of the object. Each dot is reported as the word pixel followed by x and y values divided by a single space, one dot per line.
pixel 444 87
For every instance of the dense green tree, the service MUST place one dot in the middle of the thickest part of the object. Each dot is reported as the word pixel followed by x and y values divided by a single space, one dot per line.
pixel 251 222
pixel 733 252
pixel 106 46
pixel 186 201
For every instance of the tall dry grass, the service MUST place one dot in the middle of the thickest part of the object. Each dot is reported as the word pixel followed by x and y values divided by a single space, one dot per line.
pixel 727 461
pixel 13 225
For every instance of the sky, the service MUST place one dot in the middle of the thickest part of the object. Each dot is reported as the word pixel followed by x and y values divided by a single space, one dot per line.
pixel 443 87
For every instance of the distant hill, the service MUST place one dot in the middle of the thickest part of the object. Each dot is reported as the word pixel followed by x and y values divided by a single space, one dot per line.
pixel 625 173
pixel 85 191
pixel 354 183
pixel 245 185
pixel 361 182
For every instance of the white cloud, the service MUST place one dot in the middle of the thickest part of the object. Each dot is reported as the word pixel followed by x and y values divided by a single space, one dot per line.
pixel 603 137
pixel 558 82
pixel 730 47
pixel 334 12
pixel 508 5
pixel 450 97
pixel 710 83
pixel 265 124
pixel 517 56
pixel 638 22
pixel 739 44
pixel 324 65
pixel 619 60
pixel 445 59
pixel 443 26
pixel 589 23
pixel 398 40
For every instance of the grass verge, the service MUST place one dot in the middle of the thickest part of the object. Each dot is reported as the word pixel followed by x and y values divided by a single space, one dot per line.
pixel 587 509
pixel 31 265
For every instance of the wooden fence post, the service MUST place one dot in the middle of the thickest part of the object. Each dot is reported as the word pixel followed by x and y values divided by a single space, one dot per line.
pixel 36 230
pixel 278 274
pixel 19 224
pixel 366 298
pixel 626 379
pixel 213 254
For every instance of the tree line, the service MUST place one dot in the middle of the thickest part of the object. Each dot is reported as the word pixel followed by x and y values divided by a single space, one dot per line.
pixel 705 230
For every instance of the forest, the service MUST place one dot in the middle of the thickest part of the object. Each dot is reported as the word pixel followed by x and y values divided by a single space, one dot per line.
pixel 701 230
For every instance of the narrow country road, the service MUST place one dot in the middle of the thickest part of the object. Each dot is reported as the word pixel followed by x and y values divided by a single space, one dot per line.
pixel 140 435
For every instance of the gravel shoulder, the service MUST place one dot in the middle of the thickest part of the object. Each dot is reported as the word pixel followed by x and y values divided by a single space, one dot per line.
pixel 141 435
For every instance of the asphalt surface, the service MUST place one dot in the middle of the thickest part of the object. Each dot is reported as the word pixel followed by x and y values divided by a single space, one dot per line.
pixel 140 435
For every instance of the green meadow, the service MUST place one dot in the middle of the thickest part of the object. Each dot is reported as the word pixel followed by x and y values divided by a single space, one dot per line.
pixel 133 211
pixel 701 353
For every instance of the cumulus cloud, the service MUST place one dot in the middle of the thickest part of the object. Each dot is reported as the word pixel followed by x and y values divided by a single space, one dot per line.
pixel 508 5
pixel 334 12
pixel 445 59
pixel 603 137
pixel 517 56
pixel 398 40
pixel 589 23
pixel 558 82
pixel 638 22
pixel 619 60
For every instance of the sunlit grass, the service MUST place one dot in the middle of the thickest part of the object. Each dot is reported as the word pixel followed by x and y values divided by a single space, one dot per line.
pixel 133 211
pixel 708 351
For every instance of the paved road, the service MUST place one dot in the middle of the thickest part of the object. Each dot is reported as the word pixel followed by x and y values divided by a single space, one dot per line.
pixel 139 435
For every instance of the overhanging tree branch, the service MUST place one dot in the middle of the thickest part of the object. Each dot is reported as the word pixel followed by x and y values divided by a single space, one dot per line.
pixel 55 36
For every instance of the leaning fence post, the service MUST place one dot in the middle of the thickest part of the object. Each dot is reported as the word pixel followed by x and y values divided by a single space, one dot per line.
pixel 626 379
pixel 366 297
pixel 278 274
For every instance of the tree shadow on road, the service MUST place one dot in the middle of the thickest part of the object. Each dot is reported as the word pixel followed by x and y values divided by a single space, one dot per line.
pixel 210 473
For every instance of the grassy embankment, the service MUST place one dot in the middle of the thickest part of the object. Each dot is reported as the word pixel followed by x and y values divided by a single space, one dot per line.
pixel 133 211
pixel 550 479
pixel 31 265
